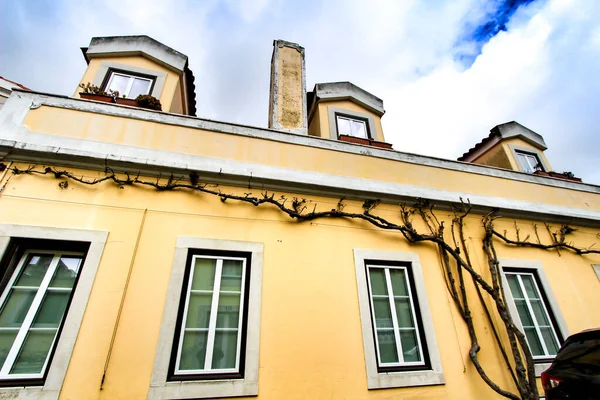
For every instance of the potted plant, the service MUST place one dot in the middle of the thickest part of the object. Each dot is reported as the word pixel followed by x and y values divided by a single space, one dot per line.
pixel 148 101
pixel 93 92
pixel 126 102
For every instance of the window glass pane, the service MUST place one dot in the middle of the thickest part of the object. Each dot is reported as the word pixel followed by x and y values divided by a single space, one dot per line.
pixel 540 314
pixel 343 126
pixel 225 349
pixel 410 346
pixel 228 311
pixel 398 282
pixel 387 346
pixel 549 340
pixel 204 274
pixel 358 128
pixel 515 288
pixel 524 313
pixel 119 82
pixel 34 352
pixel 198 314
pixel 530 286
pixel 140 86
pixel 52 310
pixel 193 350
pixel 378 285
pixel 34 270
pixel 6 341
pixel 383 315
pixel 66 272
pixel 231 277
pixel 404 313
pixel 16 307
pixel 534 342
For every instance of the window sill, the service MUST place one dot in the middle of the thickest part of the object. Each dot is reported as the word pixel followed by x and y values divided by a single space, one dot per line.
pixel 539 368
pixel 405 379
pixel 366 142
pixel 204 389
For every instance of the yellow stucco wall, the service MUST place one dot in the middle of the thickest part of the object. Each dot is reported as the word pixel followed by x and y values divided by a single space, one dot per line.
pixel 169 88
pixel 348 105
pixel 146 134
pixel 314 125
pixel 311 341
pixel 177 103
pixel 495 157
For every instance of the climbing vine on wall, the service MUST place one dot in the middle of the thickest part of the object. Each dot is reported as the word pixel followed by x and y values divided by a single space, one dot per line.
pixel 450 241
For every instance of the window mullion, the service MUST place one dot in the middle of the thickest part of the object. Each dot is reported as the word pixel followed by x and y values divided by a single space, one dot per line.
pixel 533 318
pixel 212 325
pixel 388 282
pixel 33 309
pixel 129 85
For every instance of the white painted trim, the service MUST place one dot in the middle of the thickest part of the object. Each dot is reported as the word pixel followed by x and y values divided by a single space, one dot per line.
pixel 159 387
pixel 376 380
pixel 596 268
pixel 39 148
pixel 536 267
pixel 37 98
pixel 64 348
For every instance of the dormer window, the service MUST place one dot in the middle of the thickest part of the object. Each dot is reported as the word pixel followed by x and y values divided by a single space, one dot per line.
pixel 130 86
pixel 352 126
pixel 529 162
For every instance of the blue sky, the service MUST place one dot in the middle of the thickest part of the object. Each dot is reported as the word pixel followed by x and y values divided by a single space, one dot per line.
pixel 447 70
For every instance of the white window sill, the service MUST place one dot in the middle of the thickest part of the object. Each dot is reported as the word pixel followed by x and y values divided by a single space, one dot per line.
pixel 405 379
pixel 539 368
pixel 204 389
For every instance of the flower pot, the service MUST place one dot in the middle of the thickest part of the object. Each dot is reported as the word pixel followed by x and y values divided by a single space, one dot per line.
pixel 97 97
pixel 354 139
pixel 382 145
pixel 127 102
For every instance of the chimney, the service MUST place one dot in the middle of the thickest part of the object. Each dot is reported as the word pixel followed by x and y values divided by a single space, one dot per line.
pixel 287 97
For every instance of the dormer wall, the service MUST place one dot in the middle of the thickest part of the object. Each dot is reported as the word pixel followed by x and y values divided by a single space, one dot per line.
pixel 149 66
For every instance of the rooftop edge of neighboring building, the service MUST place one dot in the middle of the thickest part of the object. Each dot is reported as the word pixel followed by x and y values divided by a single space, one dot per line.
pixel 134 45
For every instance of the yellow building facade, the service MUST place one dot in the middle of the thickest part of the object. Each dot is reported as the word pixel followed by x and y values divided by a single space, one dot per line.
pixel 174 294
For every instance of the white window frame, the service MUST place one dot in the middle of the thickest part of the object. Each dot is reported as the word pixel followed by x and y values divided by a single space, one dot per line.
pixel 382 380
pixel 395 326
pixel 369 120
pixel 350 120
pixel 536 268
pixel 32 312
pixel 216 292
pixel 523 156
pixel 57 369
pixel 132 79
pixel 160 388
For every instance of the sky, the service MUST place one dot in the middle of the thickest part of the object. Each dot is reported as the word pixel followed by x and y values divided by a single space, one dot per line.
pixel 447 70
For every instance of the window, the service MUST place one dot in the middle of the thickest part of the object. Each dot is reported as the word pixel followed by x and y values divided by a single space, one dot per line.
pixel 352 126
pixel 529 162
pixel 210 331
pixel 33 307
pixel 394 319
pixel 398 335
pixel 127 85
pixel 533 314
pixel 45 282
pixel 534 308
